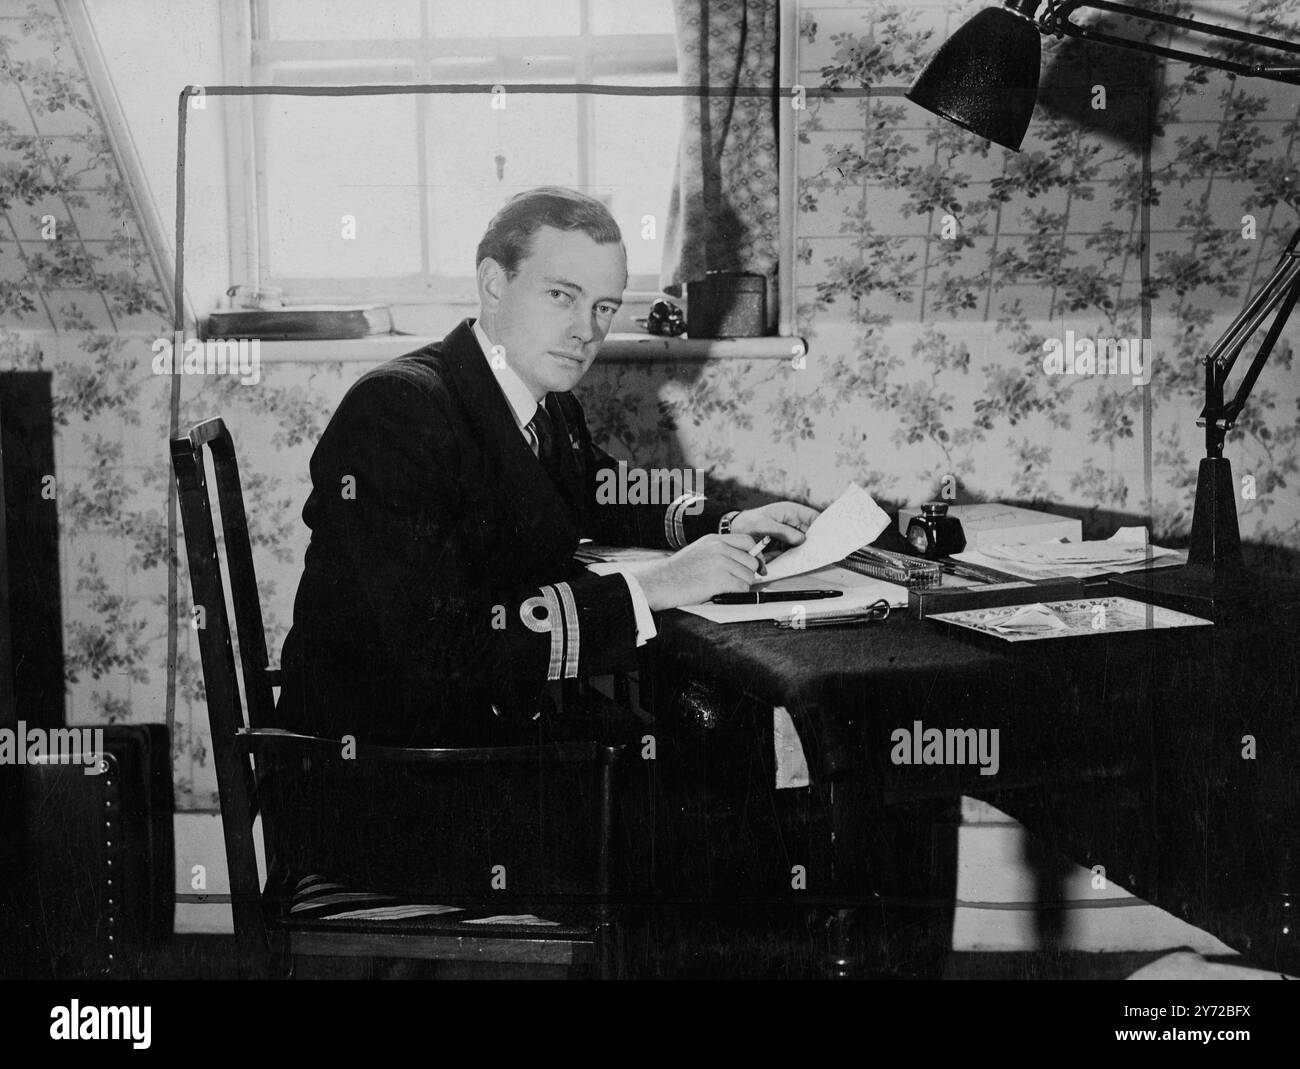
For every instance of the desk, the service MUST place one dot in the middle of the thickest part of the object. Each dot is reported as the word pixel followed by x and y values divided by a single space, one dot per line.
pixel 1123 750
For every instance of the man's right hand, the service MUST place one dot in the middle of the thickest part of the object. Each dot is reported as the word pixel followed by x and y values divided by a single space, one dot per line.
pixel 714 564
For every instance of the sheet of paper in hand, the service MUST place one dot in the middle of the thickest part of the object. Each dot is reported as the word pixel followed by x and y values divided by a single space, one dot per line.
pixel 852 521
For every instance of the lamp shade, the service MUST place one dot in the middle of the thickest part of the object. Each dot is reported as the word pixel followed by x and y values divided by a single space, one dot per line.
pixel 985 77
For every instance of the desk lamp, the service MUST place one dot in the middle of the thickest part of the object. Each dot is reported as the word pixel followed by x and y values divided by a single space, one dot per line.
pixel 985 79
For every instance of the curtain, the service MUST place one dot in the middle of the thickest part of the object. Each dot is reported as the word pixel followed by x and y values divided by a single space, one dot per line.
pixel 723 211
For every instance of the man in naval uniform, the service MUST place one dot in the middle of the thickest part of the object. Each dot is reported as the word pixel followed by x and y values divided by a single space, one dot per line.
pixel 449 492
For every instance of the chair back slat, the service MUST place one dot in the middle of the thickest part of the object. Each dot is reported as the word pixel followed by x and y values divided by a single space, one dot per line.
pixel 242 574
pixel 235 782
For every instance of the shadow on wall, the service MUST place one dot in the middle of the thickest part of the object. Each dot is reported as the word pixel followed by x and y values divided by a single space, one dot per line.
pixel 1103 92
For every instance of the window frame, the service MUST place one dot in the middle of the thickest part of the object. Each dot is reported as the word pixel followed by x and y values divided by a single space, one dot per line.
pixel 584 57
pixel 240 162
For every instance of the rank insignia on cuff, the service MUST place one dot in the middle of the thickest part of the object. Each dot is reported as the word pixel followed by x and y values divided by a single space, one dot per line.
pixel 674 528
pixel 560 619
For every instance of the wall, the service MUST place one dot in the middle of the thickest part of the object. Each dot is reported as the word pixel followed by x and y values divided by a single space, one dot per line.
pixel 927 351
pixel 79 296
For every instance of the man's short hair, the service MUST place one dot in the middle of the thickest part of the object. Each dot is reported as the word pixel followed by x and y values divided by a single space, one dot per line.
pixel 509 237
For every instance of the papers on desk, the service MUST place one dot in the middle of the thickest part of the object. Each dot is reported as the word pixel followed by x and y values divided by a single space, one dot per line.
pixel 860 591
pixel 608 560
pixel 1127 549
pixel 852 521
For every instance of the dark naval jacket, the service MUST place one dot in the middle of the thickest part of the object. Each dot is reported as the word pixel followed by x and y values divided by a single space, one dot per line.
pixel 439 590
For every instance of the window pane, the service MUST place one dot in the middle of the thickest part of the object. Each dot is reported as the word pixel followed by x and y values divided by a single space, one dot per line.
pixel 536 135
pixel 327 159
pixel 503 18
pixel 634 155
pixel 343 20
pixel 631 16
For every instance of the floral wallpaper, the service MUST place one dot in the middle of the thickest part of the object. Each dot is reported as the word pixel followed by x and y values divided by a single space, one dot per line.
pixel 933 266
pixel 79 299
pixel 931 270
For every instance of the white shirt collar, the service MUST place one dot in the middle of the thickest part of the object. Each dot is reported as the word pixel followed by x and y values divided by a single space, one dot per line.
pixel 522 403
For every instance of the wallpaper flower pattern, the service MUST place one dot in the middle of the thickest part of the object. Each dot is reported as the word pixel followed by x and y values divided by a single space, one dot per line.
pixel 933 266
pixel 79 299
pixel 926 349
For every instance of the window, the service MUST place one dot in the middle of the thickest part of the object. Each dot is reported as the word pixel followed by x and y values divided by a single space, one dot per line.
pixel 385 197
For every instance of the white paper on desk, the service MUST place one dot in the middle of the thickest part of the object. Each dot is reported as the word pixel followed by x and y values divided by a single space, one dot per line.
pixel 860 591
pixel 852 521
pixel 1126 550
pixel 1127 545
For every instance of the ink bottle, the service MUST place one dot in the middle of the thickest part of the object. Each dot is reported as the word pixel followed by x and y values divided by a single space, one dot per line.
pixel 934 533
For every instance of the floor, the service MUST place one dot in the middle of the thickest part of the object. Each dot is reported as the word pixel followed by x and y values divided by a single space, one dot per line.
pixel 212 957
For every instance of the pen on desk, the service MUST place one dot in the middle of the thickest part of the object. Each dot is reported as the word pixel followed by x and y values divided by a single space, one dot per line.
pixel 871 614
pixel 762 597
pixel 838 620
pixel 973 571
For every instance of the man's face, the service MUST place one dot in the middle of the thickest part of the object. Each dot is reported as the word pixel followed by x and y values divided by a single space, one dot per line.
pixel 552 316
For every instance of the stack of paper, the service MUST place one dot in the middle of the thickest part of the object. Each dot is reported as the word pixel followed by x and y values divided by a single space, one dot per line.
pixel 1123 551
pixel 606 560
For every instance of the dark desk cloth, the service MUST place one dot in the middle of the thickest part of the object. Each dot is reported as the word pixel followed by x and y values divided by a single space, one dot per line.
pixel 848 688
pixel 1167 757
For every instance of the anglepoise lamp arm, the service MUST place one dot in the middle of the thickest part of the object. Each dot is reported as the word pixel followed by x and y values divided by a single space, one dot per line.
pixel 985 78
pixel 1056 20
pixel 1279 294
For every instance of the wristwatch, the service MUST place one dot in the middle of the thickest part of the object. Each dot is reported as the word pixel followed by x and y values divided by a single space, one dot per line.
pixel 724 524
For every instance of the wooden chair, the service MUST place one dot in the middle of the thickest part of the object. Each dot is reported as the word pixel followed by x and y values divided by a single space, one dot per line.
pixel 252 756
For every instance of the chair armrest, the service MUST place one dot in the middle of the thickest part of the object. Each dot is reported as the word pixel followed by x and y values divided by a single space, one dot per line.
pixel 270 741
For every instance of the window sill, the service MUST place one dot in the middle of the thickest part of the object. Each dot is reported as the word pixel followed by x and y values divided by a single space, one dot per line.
pixel 629 347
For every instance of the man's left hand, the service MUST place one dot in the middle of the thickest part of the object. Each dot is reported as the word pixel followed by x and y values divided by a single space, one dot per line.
pixel 785 521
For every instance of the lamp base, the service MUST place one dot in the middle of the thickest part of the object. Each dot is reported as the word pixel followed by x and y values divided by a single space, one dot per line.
pixel 1194 590
pixel 1214 584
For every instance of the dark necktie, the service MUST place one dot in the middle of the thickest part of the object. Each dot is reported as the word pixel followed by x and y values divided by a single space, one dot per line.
pixel 548 447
